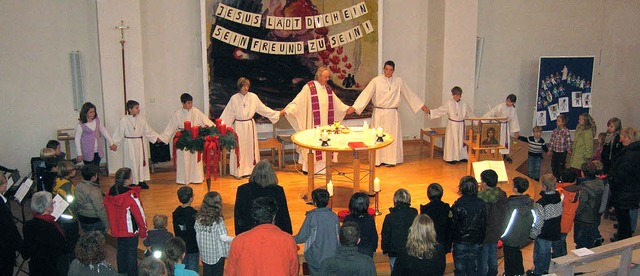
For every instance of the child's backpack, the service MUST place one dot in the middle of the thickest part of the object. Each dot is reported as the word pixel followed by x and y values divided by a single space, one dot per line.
pixel 520 220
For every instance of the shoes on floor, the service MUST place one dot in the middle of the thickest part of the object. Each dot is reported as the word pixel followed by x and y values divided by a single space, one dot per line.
pixel 452 162
pixel 463 160
pixel 143 185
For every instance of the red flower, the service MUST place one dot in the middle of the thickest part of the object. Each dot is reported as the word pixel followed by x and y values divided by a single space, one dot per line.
pixel 348 65
pixel 340 49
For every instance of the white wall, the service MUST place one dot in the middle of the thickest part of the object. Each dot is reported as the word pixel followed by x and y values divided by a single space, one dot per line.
pixel 517 33
pixel 35 78
pixel 407 48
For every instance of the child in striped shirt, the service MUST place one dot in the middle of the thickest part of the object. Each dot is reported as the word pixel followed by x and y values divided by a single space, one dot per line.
pixel 536 147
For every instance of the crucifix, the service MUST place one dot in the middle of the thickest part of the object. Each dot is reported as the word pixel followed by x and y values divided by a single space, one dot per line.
pixel 122 28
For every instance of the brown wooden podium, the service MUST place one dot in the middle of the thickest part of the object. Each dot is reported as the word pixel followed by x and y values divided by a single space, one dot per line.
pixel 473 142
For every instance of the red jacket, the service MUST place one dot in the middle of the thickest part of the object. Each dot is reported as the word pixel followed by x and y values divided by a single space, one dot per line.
pixel 570 194
pixel 120 210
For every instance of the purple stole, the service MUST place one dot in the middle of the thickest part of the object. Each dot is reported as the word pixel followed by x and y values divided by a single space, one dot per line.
pixel 315 108
pixel 88 140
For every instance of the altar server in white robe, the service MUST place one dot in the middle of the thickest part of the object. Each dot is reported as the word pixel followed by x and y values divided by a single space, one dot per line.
pixel 385 92
pixel 316 105
pixel 239 113
pixel 456 109
pixel 188 169
pixel 133 132
pixel 509 126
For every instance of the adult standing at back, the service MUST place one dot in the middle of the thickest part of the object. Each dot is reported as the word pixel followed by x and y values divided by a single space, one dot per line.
pixel 385 92
pixel 395 228
pixel 88 136
pixel 188 168
pixel 263 182
pixel 624 178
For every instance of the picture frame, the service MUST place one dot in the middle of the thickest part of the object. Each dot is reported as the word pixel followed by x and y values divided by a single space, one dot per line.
pixel 490 134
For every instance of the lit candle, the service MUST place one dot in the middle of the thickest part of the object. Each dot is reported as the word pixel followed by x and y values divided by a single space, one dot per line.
pixel 376 184
pixel 317 131
pixel 379 131
pixel 365 126
pixel 325 135
pixel 223 128
pixel 330 188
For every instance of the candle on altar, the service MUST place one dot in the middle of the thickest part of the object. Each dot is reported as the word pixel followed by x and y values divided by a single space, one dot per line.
pixel 376 184
pixel 223 128
pixel 379 132
pixel 187 125
pixel 317 131
pixel 330 188
pixel 365 126
pixel 325 135
pixel 195 131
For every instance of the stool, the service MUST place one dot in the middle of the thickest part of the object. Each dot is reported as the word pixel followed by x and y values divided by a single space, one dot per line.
pixel 273 144
pixel 434 134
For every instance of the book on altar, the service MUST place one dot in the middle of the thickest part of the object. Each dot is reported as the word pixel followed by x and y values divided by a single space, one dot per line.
pixel 358 145
pixel 59 205
pixel 497 166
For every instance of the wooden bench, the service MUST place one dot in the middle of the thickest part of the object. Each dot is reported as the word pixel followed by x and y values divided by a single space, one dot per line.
pixel 612 258
pixel 435 134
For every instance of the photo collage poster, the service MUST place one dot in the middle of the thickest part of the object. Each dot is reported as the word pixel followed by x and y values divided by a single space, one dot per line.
pixel 564 87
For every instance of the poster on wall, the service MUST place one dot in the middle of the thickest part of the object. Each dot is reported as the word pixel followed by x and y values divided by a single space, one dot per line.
pixel 279 45
pixel 564 88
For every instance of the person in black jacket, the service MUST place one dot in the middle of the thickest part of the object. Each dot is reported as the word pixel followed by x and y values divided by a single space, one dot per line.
pixel 10 239
pixel 358 208
pixel 44 242
pixel 263 182
pixel 440 213
pixel 395 227
pixel 469 223
pixel 424 255
pixel 624 179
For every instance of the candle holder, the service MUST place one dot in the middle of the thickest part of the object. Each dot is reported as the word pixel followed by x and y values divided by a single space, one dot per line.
pixel 325 143
pixel 377 203
pixel 380 140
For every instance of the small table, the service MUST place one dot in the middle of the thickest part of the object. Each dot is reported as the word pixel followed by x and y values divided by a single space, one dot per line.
pixel 435 134
pixel 339 143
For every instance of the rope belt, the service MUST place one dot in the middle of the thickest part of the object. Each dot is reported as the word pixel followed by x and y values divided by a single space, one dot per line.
pixel 379 107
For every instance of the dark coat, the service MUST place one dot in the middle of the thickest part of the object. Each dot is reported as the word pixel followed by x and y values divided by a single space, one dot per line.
pixel 10 239
pixel 517 226
pixel 242 210
pixel 409 266
pixel 624 177
pixel 469 220
pixel 44 244
pixel 348 262
pixel 395 229
pixel 440 213
pixel 495 218
pixel 368 233
pixel 588 212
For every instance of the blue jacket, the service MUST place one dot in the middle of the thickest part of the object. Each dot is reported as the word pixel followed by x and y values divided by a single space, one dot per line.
pixel 319 233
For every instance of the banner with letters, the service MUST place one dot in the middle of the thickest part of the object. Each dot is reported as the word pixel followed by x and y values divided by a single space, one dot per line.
pixel 279 44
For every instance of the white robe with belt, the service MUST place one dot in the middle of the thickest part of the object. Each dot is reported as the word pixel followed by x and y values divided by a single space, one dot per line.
pixel 300 116
pixel 507 127
pixel 239 113
pixel 188 169
pixel 385 94
pixel 134 133
pixel 454 149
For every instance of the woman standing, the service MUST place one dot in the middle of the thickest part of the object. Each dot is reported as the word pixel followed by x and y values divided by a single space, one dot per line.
pixel 263 182
pixel 239 113
pixel 424 255
pixel 624 179
pixel 89 133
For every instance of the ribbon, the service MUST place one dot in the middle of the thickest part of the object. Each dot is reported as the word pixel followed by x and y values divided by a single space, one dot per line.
pixel 237 149
pixel 175 141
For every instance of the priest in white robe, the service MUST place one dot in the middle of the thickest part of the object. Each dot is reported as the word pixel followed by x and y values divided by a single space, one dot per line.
pixel 133 133
pixel 316 105
pixel 509 126
pixel 385 92
pixel 456 109
pixel 239 113
pixel 188 168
